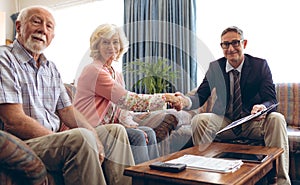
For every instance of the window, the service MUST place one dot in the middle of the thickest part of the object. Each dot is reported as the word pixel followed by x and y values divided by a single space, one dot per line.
pixel 270 27
pixel 74 25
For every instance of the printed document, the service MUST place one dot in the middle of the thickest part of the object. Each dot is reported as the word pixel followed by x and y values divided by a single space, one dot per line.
pixel 208 163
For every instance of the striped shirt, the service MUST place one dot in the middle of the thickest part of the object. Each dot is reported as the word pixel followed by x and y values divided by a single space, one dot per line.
pixel 39 90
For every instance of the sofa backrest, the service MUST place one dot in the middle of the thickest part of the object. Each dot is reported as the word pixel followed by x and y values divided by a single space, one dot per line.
pixel 289 102
pixel 288 97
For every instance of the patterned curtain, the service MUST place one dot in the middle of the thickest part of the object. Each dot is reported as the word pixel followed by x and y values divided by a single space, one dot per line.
pixel 162 30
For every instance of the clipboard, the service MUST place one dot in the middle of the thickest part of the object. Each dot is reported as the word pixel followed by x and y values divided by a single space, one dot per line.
pixel 245 157
pixel 247 118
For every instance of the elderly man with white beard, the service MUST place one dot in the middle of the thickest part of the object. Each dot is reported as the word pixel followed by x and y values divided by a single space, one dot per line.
pixel 34 101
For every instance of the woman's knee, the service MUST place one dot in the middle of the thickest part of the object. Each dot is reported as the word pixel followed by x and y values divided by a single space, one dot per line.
pixel 151 135
pixel 136 137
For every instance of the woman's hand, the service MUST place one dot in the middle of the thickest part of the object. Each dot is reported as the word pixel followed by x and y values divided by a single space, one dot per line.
pixel 146 137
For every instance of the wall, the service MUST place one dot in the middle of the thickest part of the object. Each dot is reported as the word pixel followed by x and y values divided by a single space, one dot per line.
pixel 270 27
pixel 9 7
pixel 12 6
pixel 52 3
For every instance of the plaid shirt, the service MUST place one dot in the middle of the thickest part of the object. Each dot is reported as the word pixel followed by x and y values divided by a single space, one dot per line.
pixel 39 90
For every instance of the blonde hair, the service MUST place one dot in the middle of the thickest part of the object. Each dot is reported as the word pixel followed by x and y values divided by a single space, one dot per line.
pixel 107 31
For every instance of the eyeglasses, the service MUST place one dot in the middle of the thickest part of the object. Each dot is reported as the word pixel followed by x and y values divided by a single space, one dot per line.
pixel 234 43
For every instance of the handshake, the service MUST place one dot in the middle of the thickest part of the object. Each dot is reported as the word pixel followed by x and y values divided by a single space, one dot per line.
pixel 177 100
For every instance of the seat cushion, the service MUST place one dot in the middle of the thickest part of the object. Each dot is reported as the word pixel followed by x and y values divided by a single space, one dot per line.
pixel 294 139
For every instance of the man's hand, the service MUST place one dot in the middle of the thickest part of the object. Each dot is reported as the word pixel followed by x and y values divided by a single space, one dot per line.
pixel 74 119
pixel 101 151
pixel 184 102
pixel 257 108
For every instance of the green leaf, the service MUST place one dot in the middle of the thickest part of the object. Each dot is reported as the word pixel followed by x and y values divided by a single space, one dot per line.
pixel 153 75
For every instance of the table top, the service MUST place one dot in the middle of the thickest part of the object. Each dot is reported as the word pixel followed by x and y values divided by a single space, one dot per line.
pixel 249 173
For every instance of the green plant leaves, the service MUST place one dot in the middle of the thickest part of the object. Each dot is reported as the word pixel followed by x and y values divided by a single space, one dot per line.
pixel 155 76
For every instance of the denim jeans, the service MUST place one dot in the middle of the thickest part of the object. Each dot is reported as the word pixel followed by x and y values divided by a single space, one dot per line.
pixel 141 150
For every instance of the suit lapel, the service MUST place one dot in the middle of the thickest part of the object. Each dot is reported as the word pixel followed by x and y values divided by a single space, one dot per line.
pixel 226 77
pixel 245 71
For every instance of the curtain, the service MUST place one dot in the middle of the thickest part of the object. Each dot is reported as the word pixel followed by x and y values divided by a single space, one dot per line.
pixel 162 29
pixel 14 18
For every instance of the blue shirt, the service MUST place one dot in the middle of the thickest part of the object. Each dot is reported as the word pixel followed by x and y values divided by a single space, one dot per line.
pixel 39 90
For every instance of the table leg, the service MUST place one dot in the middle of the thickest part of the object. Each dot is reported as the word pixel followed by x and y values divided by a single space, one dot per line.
pixel 272 175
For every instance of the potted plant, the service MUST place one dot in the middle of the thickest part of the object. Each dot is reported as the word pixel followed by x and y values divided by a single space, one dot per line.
pixel 155 77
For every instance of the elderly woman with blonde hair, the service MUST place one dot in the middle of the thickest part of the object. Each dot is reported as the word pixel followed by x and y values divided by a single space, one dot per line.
pixel 101 95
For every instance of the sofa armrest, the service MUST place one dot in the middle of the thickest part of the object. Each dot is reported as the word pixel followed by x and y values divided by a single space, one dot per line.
pixel 18 160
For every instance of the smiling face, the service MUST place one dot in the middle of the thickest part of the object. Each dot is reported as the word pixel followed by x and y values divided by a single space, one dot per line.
pixel 109 48
pixel 36 30
pixel 233 48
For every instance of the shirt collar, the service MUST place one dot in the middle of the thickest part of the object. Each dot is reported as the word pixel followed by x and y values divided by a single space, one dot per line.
pixel 229 67
pixel 23 56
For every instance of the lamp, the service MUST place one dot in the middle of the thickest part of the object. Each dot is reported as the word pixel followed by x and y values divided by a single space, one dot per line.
pixel 2 28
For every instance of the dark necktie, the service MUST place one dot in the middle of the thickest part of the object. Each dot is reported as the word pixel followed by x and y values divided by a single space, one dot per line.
pixel 237 101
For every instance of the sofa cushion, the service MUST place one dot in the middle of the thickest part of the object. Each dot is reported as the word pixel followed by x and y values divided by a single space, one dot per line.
pixel 294 139
pixel 18 160
pixel 288 97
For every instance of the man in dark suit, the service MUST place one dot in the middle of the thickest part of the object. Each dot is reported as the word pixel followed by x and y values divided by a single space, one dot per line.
pixel 256 92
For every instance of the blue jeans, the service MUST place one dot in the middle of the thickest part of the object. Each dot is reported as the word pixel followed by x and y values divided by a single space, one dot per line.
pixel 142 151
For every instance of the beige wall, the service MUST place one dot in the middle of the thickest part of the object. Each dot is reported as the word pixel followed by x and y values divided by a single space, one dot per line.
pixel 9 7
pixel 12 6
pixel 52 3
pixel 2 28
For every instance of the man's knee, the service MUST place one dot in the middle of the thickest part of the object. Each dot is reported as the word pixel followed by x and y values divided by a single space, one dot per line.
pixel 113 132
pixel 118 129
pixel 276 115
pixel 275 121
pixel 199 119
pixel 80 137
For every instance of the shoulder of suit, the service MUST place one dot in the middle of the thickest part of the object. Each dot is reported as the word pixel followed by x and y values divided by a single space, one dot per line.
pixel 250 57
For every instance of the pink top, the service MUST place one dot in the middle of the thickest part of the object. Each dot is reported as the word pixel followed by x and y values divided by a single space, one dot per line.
pixel 98 91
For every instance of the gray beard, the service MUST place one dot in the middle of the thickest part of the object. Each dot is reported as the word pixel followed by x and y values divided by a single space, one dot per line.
pixel 33 47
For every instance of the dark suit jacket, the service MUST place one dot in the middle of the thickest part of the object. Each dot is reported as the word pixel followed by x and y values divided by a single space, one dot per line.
pixel 257 85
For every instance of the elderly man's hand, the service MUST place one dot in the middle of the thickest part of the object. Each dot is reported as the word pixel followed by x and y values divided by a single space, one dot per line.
pixel 101 153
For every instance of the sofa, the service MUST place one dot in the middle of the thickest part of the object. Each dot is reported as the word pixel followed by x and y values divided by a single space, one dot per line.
pixel 19 164
pixel 19 159
pixel 288 96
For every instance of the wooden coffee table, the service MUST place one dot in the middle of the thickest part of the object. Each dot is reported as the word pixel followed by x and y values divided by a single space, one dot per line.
pixel 249 173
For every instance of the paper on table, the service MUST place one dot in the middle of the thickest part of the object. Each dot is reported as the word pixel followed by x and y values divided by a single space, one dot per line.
pixel 247 118
pixel 208 163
